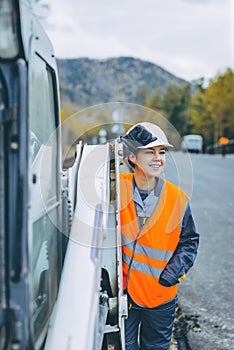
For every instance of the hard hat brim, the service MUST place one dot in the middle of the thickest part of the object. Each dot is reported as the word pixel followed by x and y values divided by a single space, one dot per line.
pixel 156 143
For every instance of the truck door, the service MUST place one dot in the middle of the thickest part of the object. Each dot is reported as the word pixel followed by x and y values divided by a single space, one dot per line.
pixel 30 190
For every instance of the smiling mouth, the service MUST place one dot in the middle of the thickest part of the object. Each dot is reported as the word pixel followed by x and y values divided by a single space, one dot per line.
pixel 155 166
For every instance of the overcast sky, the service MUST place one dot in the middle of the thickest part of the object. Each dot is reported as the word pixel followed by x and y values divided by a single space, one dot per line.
pixel 189 38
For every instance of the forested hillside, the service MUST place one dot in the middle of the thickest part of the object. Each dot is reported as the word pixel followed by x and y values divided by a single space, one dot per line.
pixel 86 82
pixel 191 107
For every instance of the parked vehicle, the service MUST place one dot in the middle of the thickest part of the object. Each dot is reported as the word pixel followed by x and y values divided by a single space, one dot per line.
pixel 31 246
pixel 192 143
pixel 54 293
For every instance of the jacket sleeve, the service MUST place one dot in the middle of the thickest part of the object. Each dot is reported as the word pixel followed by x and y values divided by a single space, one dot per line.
pixel 185 253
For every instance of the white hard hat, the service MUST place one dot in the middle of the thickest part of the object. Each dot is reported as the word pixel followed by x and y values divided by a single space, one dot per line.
pixel 146 135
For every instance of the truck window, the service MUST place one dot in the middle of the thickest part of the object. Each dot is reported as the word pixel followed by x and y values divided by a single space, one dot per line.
pixel 44 258
pixel 8 43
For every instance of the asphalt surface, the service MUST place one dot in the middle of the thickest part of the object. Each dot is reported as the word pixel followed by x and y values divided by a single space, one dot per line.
pixel 205 317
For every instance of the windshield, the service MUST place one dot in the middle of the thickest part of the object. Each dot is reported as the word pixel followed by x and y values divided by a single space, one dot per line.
pixel 8 42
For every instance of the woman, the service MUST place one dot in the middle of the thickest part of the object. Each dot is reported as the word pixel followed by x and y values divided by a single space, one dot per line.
pixel 159 239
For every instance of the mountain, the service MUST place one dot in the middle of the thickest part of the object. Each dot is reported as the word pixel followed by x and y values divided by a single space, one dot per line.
pixel 86 82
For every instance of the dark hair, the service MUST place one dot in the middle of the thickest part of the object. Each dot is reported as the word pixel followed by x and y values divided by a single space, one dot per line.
pixel 138 136
pixel 127 150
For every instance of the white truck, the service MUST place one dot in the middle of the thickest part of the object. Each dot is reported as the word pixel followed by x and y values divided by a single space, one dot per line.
pixel 60 244
pixel 192 143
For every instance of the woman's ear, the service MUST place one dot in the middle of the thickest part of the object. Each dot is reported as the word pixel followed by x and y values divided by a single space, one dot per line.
pixel 132 158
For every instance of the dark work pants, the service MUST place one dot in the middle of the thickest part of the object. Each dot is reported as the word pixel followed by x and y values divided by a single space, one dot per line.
pixel 152 327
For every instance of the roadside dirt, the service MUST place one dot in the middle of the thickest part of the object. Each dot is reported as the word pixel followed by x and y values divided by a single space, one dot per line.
pixel 183 324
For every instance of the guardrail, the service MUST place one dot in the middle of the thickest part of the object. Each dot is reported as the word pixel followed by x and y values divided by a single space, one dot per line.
pixel 218 148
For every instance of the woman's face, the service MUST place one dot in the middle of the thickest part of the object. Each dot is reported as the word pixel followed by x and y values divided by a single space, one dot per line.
pixel 149 161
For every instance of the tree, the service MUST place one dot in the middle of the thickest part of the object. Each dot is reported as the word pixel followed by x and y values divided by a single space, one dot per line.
pixel 141 94
pixel 200 121
pixel 155 101
pixel 212 109
pixel 219 103
pixel 176 106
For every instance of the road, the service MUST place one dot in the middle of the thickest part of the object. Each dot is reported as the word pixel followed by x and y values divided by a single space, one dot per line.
pixel 206 298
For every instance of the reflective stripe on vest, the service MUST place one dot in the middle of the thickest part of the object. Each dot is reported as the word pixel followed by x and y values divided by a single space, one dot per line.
pixel 142 267
pixel 147 252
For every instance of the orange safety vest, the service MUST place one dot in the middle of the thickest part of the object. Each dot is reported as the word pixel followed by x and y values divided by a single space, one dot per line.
pixel 147 252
